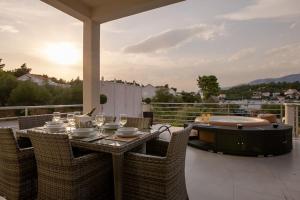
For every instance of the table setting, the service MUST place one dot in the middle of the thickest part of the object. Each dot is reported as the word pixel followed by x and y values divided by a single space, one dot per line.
pixel 88 129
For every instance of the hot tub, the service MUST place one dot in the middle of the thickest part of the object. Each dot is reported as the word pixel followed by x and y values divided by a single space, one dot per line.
pixel 254 137
pixel 235 120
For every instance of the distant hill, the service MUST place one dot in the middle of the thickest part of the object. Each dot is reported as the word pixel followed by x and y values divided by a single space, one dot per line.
pixel 288 79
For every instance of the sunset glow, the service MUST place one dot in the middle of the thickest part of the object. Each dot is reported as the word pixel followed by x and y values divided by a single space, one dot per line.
pixel 62 53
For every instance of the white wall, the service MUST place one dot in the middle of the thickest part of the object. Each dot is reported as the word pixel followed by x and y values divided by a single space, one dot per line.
pixel 122 99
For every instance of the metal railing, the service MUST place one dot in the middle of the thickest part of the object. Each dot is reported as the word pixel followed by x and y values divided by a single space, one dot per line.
pixel 27 109
pixel 178 113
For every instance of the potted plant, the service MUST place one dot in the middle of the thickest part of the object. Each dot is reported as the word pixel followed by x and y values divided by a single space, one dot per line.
pixel 147 113
pixel 147 105
pixel 103 100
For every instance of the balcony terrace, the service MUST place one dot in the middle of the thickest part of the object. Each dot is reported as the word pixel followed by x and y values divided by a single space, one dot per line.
pixel 212 176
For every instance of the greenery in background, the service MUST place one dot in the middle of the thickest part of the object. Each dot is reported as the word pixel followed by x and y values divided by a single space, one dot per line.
pixel 209 86
pixel 14 92
pixel 28 94
pixel 246 91
pixel 7 83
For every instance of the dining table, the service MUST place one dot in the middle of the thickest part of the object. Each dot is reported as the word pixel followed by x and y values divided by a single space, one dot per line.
pixel 108 143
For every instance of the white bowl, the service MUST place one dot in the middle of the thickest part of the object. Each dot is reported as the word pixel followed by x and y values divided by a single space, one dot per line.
pixel 83 132
pixel 111 126
pixel 56 129
pixel 52 123
pixel 127 130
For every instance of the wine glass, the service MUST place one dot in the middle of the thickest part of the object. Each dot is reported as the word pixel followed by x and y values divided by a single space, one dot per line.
pixel 99 120
pixel 71 121
pixel 56 116
pixel 123 120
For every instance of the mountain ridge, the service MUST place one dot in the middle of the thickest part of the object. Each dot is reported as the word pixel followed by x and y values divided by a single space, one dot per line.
pixel 289 79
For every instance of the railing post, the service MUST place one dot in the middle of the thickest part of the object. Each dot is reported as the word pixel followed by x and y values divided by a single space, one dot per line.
pixel 26 111
pixel 281 112
pixel 291 117
pixel 228 109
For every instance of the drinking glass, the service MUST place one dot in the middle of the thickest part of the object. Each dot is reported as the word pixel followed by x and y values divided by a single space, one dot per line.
pixel 123 120
pixel 71 121
pixel 56 116
pixel 99 120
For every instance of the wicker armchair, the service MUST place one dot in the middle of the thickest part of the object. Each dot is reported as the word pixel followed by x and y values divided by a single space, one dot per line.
pixel 33 121
pixel 159 174
pixel 63 176
pixel 140 123
pixel 17 168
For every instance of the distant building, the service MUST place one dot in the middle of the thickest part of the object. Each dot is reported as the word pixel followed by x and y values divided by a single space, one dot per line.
pixel 256 95
pixel 222 96
pixel 266 94
pixel 281 98
pixel 276 94
pixel 292 94
pixel 148 91
pixel 40 80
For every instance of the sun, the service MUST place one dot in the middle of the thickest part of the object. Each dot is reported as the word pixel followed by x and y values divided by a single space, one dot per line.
pixel 62 53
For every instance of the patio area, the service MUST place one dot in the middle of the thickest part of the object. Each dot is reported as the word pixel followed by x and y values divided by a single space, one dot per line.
pixel 212 176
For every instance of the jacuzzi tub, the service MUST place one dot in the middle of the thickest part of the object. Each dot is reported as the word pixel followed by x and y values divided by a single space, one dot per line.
pixel 235 120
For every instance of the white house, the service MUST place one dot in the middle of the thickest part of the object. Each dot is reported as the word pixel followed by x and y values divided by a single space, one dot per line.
pixel 148 91
pixel 222 96
pixel 266 94
pixel 40 80
pixel 291 93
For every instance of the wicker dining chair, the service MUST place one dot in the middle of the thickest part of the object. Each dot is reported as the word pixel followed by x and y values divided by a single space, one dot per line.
pixel 159 174
pixel 140 123
pixel 61 175
pixel 17 168
pixel 28 122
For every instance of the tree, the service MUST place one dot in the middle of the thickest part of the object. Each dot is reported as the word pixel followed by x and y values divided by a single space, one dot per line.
pixel 21 71
pixel 209 86
pixel 29 94
pixel 190 97
pixel 1 65
pixel 163 95
pixel 7 83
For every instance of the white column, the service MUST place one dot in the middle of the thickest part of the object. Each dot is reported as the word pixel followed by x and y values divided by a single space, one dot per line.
pixel 91 66
pixel 291 117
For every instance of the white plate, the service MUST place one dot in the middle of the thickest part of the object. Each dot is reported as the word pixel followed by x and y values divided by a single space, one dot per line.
pixel 111 126
pixel 55 126
pixel 136 134
pixel 52 123
pixel 83 130
pixel 54 130
pixel 127 130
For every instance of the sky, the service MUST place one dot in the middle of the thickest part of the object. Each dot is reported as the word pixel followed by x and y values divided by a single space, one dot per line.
pixel 236 40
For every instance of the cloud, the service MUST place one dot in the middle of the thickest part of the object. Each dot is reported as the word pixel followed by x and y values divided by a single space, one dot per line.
pixel 8 29
pixel 266 9
pixel 293 25
pixel 287 55
pixel 241 54
pixel 174 38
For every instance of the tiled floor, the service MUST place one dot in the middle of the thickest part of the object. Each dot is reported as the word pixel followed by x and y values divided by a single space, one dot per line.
pixel 213 176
